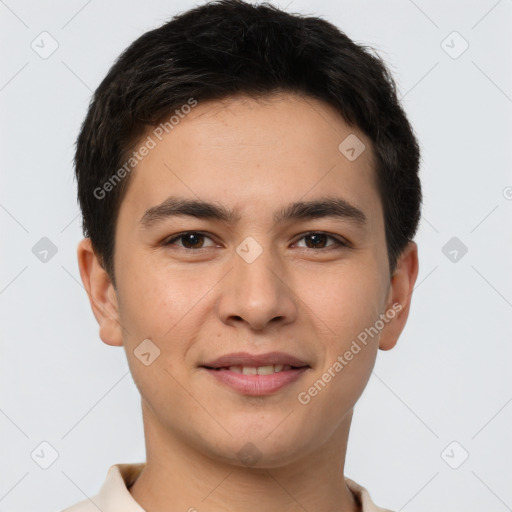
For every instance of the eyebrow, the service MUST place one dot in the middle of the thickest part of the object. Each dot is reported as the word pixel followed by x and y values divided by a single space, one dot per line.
pixel 174 206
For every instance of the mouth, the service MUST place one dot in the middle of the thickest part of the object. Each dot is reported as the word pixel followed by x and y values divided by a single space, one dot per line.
pixel 245 359
pixel 256 374
pixel 258 370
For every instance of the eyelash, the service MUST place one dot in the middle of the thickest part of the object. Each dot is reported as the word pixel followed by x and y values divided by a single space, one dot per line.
pixel 339 243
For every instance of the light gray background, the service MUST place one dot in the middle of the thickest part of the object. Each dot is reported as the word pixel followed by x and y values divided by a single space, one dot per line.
pixel 449 377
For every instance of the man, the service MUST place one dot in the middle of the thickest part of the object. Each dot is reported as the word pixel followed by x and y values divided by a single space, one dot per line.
pixel 250 193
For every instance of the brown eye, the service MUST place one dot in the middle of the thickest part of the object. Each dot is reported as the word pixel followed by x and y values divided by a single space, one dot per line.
pixel 190 240
pixel 319 241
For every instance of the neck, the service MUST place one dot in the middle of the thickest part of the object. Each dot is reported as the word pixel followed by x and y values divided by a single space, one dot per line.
pixel 178 477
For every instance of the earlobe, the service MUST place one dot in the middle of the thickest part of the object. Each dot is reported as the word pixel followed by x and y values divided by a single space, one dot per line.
pixel 101 293
pixel 400 295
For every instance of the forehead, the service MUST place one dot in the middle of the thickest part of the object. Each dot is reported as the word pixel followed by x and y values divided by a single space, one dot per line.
pixel 255 155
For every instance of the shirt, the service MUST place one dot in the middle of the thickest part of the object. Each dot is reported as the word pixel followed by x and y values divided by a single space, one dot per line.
pixel 114 495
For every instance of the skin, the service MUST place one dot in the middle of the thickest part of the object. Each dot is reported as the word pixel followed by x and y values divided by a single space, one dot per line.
pixel 256 157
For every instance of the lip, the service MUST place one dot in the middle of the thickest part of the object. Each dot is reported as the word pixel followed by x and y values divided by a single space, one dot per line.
pixel 247 359
pixel 256 385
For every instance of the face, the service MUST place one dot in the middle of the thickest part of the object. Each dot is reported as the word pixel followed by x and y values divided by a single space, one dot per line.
pixel 307 283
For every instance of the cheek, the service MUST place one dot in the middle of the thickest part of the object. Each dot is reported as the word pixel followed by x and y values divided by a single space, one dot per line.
pixel 153 301
pixel 333 390
pixel 156 310
pixel 345 311
pixel 345 302
pixel 161 305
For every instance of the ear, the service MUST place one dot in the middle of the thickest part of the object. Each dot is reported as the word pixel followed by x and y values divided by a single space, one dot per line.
pixel 101 293
pixel 399 296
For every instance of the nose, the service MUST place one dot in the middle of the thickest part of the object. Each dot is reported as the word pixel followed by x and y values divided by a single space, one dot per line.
pixel 258 293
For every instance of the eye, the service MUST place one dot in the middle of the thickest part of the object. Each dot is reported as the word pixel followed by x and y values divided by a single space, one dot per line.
pixel 194 240
pixel 190 240
pixel 318 240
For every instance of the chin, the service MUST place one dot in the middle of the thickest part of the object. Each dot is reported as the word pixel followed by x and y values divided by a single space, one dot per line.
pixel 257 448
